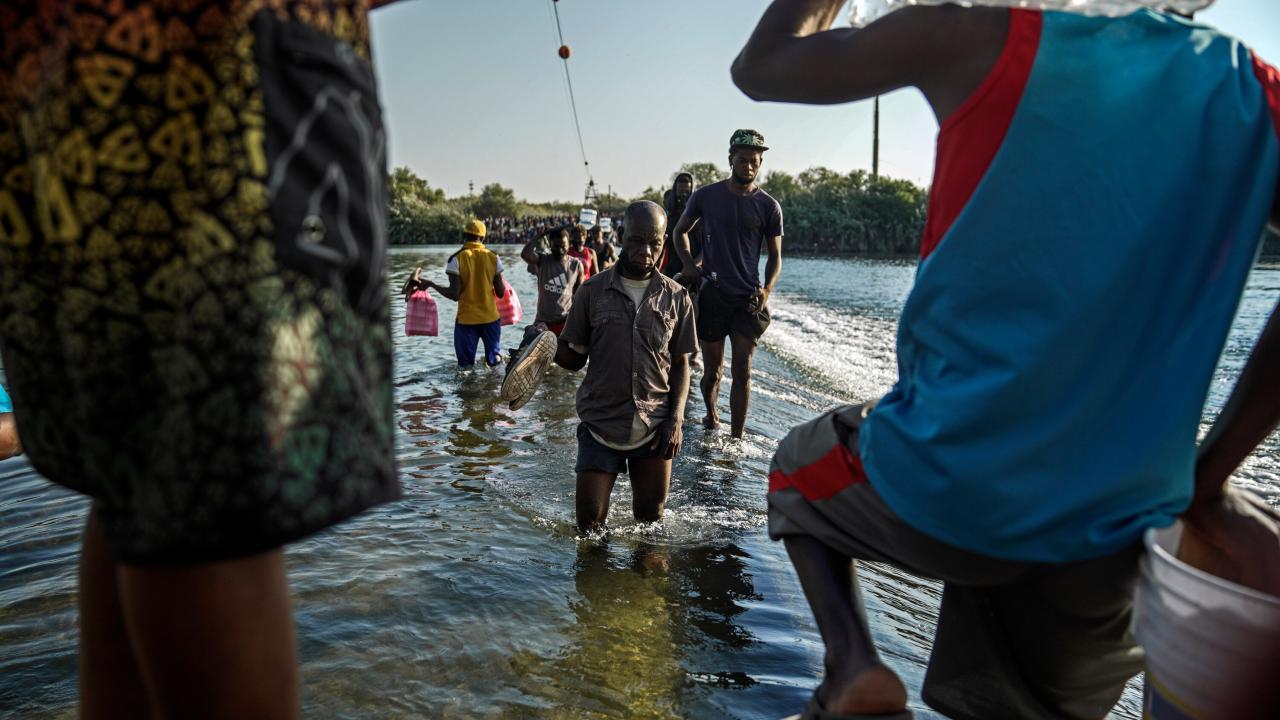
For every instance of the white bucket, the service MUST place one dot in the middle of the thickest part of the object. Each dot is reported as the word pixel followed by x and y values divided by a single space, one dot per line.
pixel 1202 635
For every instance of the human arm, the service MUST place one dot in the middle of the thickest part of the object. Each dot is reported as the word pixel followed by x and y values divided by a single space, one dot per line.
pixel 681 346
pixel 689 270
pixel 671 434
pixel 499 282
pixel 568 358
pixel 1231 532
pixel 454 291
pixel 10 445
pixel 795 56
pixel 529 253
pixel 772 269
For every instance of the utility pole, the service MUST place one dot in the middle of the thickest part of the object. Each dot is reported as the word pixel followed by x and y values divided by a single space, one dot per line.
pixel 875 141
pixel 471 187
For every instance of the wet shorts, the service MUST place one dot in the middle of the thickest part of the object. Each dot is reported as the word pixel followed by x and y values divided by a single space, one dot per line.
pixel 595 456
pixel 719 315
pixel 193 307
pixel 1014 639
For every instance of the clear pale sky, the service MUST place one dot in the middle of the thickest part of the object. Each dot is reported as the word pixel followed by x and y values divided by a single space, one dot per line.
pixel 473 90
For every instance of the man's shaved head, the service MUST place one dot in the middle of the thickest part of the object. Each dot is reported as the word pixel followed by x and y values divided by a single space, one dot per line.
pixel 648 214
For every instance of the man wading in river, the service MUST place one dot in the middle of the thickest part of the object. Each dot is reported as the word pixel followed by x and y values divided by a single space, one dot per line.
pixel 633 329
pixel 475 283
pixel 737 220
pixel 1100 193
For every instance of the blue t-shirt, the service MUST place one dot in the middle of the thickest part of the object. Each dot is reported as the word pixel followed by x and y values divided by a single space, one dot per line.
pixel 5 404
pixel 1056 350
pixel 734 228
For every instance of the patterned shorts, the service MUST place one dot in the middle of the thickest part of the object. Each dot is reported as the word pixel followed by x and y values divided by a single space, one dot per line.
pixel 193 311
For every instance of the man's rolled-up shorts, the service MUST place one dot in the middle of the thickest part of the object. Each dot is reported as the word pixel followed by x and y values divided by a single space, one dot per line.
pixel 1014 639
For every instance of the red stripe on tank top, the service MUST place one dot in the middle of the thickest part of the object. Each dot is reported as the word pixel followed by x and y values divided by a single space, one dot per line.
pixel 1270 79
pixel 821 480
pixel 970 137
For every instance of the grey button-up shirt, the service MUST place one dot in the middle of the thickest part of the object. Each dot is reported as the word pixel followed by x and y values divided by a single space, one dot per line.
pixel 629 351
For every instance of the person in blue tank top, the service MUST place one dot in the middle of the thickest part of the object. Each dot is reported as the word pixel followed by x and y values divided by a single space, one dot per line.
pixel 1100 193
pixel 9 443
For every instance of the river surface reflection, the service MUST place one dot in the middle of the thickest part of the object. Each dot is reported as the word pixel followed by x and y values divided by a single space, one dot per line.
pixel 474 598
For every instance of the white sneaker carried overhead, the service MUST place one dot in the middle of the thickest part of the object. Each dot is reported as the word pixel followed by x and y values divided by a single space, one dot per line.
pixel 524 373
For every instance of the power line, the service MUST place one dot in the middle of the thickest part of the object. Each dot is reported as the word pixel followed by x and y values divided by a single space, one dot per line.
pixel 573 104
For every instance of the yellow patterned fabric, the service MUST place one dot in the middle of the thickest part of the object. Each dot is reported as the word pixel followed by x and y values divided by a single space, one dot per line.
pixel 193 312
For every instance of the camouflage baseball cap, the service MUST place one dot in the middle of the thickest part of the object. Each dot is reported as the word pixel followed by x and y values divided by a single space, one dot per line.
pixel 747 138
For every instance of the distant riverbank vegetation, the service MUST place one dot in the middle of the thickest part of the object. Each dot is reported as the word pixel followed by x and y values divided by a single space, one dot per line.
pixel 825 211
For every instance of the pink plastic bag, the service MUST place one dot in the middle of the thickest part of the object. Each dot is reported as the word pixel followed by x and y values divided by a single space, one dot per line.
pixel 509 309
pixel 420 315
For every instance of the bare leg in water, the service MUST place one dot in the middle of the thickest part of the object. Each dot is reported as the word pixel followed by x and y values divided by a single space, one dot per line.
pixel 740 393
pixel 712 372
pixel 592 499
pixel 855 681
pixel 213 640
pixel 650 480
pixel 740 372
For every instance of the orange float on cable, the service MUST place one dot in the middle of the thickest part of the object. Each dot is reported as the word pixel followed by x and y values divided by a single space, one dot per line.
pixel 564 52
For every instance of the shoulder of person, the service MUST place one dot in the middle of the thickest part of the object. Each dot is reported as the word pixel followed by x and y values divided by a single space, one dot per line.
pixel 598 281
pixel 698 193
pixel 671 286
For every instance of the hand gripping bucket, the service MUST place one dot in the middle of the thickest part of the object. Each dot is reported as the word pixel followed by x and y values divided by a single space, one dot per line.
pixel 509 309
pixel 1208 642
pixel 420 315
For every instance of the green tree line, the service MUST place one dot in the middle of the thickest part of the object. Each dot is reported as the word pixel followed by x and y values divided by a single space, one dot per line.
pixel 825 211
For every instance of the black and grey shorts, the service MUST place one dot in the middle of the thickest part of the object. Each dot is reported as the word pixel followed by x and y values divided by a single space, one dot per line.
pixel 1014 639
pixel 595 456
pixel 720 315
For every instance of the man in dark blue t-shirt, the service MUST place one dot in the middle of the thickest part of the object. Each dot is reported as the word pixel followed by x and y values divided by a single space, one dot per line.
pixel 738 219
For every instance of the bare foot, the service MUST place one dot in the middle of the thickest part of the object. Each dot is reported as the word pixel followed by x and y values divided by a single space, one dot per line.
pixel 710 422
pixel 874 691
